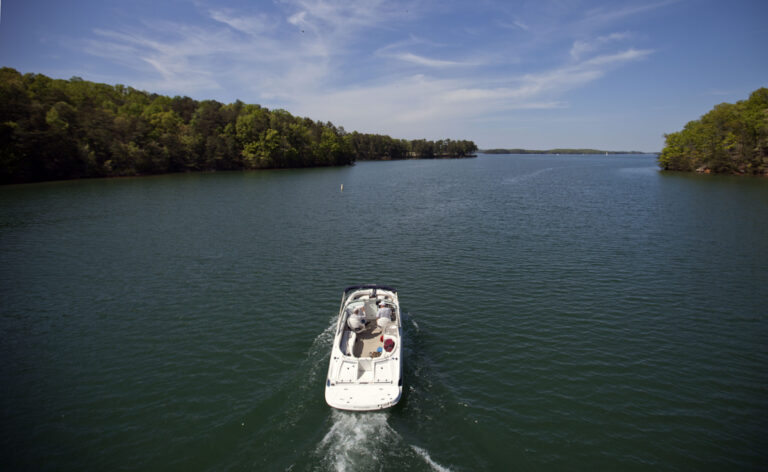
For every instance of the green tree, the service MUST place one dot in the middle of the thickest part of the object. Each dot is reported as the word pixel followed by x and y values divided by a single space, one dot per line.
pixel 731 138
pixel 59 129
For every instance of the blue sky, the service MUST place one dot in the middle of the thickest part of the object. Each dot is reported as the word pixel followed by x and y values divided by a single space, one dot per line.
pixel 531 74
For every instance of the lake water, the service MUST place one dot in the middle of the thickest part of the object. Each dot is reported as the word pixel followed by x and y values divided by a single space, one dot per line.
pixel 563 312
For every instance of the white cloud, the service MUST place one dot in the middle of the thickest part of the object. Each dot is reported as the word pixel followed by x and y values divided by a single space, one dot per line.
pixel 193 60
pixel 624 56
pixel 425 61
pixel 521 25
pixel 298 19
pixel 340 18
pixel 604 15
pixel 394 106
pixel 251 25
pixel 582 47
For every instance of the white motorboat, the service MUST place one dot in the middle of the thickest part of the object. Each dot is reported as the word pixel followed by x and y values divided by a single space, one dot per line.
pixel 365 369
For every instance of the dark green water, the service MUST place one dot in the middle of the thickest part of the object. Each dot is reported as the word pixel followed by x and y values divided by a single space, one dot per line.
pixel 565 312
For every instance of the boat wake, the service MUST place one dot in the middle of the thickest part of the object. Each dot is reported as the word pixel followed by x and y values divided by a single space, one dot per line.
pixel 425 455
pixel 413 322
pixel 318 352
pixel 366 441
pixel 299 396
pixel 530 175
pixel 356 441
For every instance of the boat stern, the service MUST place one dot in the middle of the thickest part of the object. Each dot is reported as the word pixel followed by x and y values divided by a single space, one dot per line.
pixel 362 397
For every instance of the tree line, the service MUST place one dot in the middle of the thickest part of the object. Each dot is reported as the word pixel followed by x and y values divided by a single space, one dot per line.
pixel 378 147
pixel 730 138
pixel 53 129
pixel 557 151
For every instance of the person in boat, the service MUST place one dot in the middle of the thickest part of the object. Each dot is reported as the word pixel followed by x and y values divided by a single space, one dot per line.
pixel 383 316
pixel 384 311
pixel 357 320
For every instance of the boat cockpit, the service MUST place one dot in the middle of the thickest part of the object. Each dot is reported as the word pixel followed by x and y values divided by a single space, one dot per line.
pixel 370 325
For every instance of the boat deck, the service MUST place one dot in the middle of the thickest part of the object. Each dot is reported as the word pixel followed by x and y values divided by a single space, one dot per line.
pixel 368 341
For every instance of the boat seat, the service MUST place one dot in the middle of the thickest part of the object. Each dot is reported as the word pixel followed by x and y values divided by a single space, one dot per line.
pixel 371 309
pixel 351 343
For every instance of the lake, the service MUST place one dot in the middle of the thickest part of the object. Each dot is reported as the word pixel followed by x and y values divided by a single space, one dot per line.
pixel 562 312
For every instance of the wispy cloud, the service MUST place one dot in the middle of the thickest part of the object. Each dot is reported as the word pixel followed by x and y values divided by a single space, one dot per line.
pixel 251 25
pixel 429 62
pixel 398 103
pixel 411 41
pixel 612 14
pixel 581 47
pixel 339 18
pixel 624 56
pixel 521 25
pixel 515 24
pixel 300 57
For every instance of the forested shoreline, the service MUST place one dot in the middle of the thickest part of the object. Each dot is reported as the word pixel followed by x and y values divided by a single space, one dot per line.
pixel 558 151
pixel 730 139
pixel 55 129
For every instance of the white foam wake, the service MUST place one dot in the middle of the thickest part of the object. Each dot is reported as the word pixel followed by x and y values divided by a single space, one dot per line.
pixel 425 455
pixel 317 355
pixel 361 441
pixel 323 340
pixel 356 441
pixel 527 176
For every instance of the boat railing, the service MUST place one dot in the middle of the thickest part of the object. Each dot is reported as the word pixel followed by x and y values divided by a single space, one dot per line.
pixel 341 318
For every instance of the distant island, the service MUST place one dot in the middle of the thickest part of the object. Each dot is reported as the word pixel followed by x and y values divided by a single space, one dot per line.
pixel 557 151
pixel 53 129
pixel 729 139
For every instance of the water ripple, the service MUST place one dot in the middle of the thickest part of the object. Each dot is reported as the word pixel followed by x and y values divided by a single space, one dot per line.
pixel 560 310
